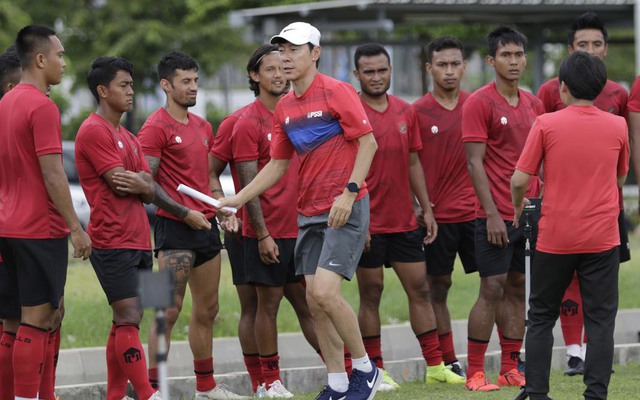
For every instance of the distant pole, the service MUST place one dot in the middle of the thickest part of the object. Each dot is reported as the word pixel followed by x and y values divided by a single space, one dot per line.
pixel 636 28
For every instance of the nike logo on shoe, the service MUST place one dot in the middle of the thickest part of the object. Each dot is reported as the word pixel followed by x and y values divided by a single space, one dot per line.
pixel 375 376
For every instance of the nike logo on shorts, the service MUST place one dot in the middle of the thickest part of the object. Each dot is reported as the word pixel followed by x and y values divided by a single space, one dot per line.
pixel 332 264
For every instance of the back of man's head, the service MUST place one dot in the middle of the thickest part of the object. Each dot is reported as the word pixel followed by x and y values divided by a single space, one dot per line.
pixel 443 43
pixel 173 61
pixel 10 71
pixel 32 40
pixel 588 20
pixel 369 50
pixel 584 75
pixel 104 70
pixel 502 36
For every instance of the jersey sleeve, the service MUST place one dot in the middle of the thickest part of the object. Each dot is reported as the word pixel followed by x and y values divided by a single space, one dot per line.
pixel 634 97
pixel 546 97
pixel 153 139
pixel 281 147
pixel 415 141
pixel 245 141
pixel 47 132
pixel 533 152
pixel 99 149
pixel 346 107
pixel 221 148
pixel 476 119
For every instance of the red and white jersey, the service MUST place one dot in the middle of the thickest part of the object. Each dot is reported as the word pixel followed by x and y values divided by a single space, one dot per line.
pixel 580 207
pixel 29 128
pixel 251 141
pixel 322 126
pixel 487 117
pixel 183 151
pixel 444 160
pixel 396 132
pixel 116 222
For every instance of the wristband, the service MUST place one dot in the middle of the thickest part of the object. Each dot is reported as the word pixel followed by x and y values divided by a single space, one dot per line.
pixel 263 238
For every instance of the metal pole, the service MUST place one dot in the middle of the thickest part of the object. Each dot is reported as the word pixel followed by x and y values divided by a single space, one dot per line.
pixel 161 354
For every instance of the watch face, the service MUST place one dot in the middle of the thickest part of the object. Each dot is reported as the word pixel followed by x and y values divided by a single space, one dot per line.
pixel 353 187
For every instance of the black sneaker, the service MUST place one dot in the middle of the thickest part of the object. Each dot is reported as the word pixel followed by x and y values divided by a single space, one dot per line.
pixel 575 366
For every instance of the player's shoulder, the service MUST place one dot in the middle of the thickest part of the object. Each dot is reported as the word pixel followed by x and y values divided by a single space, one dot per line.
pixel 156 118
pixel 614 87
pixel 550 85
pixel 197 120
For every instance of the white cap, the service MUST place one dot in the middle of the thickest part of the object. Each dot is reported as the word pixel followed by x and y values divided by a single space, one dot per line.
pixel 298 33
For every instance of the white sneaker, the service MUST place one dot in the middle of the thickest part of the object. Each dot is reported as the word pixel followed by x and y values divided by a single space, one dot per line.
pixel 261 392
pixel 278 391
pixel 220 392
pixel 155 396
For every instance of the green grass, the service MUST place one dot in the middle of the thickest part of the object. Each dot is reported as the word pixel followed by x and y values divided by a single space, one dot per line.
pixel 88 316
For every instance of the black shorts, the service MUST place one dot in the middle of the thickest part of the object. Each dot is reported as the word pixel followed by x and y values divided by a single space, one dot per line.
pixel 625 247
pixel 492 260
pixel 386 248
pixel 454 238
pixel 9 295
pixel 175 235
pixel 235 251
pixel 117 271
pixel 271 274
pixel 37 268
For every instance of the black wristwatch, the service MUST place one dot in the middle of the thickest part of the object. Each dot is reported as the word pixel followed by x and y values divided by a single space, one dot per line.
pixel 353 187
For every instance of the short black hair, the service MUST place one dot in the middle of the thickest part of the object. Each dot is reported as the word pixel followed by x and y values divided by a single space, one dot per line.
pixel 173 61
pixel 502 36
pixel 103 70
pixel 443 43
pixel 369 50
pixel 255 61
pixel 31 40
pixel 588 20
pixel 584 74
pixel 10 71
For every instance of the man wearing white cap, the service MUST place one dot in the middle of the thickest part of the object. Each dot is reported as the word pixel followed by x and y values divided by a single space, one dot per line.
pixel 323 121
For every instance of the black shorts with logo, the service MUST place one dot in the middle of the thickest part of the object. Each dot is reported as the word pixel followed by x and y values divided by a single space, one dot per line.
pixel 405 247
pixel 271 274
pixel 453 238
pixel 117 271
pixel 175 235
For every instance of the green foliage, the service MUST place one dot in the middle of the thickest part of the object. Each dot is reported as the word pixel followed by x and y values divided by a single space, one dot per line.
pixel 12 18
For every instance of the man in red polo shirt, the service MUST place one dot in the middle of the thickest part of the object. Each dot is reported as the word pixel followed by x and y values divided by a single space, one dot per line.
pixel 495 123
pixel 444 163
pixel 36 212
pixel 587 33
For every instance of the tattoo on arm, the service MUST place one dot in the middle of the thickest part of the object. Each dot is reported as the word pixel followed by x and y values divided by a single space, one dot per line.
pixel 247 171
pixel 162 198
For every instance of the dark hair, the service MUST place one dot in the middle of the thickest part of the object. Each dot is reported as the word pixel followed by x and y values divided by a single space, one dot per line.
pixel 255 61
pixel 173 61
pixel 443 43
pixel 502 36
pixel 584 74
pixel 368 50
pixel 103 70
pixel 9 68
pixel 588 20
pixel 31 40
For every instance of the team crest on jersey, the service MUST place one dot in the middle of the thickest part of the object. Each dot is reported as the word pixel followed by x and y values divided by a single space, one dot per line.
pixel 205 141
pixel 402 127
pixel 286 121
pixel 612 110
pixel 364 122
pixel 178 139
pixel 269 136
pixel 503 120
pixel 434 129
pixel 120 144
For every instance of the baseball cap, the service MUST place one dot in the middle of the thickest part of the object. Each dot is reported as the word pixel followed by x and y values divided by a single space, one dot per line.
pixel 298 33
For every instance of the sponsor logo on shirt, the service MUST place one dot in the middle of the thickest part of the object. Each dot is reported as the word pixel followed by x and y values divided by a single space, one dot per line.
pixel 178 139
pixel 402 127
pixel 364 122
pixel 434 129
pixel 205 141
pixel 120 144
pixel 314 114
pixel 503 120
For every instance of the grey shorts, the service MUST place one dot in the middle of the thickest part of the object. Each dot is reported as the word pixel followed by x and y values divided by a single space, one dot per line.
pixel 336 250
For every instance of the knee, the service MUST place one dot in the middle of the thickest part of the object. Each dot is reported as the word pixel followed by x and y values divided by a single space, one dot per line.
pixel 269 305
pixel 491 290
pixel 205 314
pixel 171 315
pixel 439 288
pixel 371 293
pixel 321 298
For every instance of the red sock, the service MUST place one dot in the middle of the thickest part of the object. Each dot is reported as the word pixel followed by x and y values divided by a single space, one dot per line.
pixel 348 364
pixel 475 355
pixel 6 365
pixel 116 379
pixel 510 354
pixel 204 374
pixel 252 362
pixel 270 368
pixel 430 347
pixel 571 316
pixel 56 345
pixel 446 346
pixel 153 378
pixel 29 351
pixel 132 359
pixel 373 347
pixel 47 383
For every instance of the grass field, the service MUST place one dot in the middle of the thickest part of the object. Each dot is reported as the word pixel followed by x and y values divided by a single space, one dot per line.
pixel 88 316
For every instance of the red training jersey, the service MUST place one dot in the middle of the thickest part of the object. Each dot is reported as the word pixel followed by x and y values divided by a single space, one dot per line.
pixel 116 222
pixel 183 151
pixel 251 141
pixel 634 96
pixel 580 207
pixel 487 117
pixel 29 128
pixel 322 126
pixel 444 160
pixel 396 131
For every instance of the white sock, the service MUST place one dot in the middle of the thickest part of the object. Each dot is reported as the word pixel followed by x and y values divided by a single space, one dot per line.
pixel 584 352
pixel 338 381
pixel 363 364
pixel 574 350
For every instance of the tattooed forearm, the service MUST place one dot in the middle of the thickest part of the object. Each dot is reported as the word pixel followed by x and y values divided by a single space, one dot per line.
pixel 247 171
pixel 162 198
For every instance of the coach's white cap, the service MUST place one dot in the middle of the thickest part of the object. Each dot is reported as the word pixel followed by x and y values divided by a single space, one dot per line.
pixel 298 33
